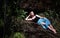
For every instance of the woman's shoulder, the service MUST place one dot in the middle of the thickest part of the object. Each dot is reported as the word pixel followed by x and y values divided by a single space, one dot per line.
pixel 37 15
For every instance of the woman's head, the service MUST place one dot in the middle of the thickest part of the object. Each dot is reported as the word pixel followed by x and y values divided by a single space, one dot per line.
pixel 31 13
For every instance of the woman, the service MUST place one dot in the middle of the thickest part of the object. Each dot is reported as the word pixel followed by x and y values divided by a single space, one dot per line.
pixel 40 20
pixel 32 17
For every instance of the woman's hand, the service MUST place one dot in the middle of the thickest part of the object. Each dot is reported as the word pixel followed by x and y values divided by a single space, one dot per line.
pixel 43 23
pixel 28 15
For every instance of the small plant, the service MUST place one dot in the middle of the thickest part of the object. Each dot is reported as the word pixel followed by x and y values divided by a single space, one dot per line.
pixel 21 13
pixel 18 35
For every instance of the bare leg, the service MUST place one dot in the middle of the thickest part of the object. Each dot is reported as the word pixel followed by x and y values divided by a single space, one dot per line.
pixel 51 28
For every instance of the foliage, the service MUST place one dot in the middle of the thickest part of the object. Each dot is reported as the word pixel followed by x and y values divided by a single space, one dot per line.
pixel 1 23
pixel 18 35
pixel 21 13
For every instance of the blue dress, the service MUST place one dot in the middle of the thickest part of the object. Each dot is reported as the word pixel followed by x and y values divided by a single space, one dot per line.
pixel 45 20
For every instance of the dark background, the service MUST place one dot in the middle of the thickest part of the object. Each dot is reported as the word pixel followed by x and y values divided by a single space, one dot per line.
pixel 9 8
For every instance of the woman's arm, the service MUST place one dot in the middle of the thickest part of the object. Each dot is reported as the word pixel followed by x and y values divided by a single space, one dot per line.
pixel 38 16
pixel 27 18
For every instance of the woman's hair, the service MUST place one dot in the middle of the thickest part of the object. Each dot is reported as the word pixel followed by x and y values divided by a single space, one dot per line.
pixel 29 10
